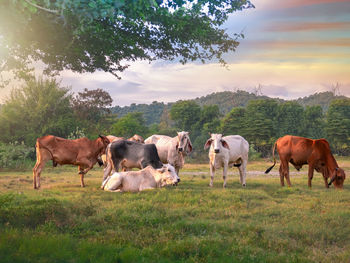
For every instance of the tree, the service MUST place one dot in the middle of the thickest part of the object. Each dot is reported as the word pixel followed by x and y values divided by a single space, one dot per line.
pixel 185 114
pixel 314 122
pixel 338 125
pixel 289 119
pixel 259 127
pixel 92 110
pixel 38 108
pixel 85 36
pixel 234 122
pixel 130 124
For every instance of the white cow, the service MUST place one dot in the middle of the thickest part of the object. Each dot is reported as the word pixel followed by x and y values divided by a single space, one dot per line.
pixel 135 181
pixel 172 150
pixel 225 151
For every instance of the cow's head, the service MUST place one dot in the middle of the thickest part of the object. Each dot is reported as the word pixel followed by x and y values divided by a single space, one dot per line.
pixel 167 175
pixel 216 142
pixel 338 178
pixel 104 141
pixel 184 144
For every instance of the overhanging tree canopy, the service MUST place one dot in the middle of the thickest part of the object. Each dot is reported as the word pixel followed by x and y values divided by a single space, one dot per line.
pixel 85 36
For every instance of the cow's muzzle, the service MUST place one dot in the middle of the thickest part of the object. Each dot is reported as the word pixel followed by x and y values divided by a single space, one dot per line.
pixel 216 150
pixel 180 149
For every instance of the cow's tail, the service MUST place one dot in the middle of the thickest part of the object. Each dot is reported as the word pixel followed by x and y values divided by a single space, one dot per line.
pixel 274 159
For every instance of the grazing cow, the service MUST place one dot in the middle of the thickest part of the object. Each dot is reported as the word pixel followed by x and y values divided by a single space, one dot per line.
pixel 225 151
pixel 172 150
pixel 128 154
pixel 81 152
pixel 300 151
pixel 135 181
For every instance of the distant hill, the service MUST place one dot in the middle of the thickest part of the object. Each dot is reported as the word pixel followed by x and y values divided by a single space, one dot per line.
pixel 226 100
pixel 322 98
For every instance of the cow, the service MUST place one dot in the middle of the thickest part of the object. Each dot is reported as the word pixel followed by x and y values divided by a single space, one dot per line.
pixel 137 138
pixel 128 154
pixel 172 150
pixel 226 151
pixel 113 138
pixel 81 152
pixel 135 181
pixel 300 151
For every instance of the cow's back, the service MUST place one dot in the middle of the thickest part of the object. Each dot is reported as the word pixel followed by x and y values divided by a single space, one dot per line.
pixel 299 149
pixel 239 147
pixel 163 144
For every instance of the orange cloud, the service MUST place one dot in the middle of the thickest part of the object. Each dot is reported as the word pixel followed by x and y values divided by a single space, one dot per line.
pixel 299 3
pixel 283 27
pixel 339 42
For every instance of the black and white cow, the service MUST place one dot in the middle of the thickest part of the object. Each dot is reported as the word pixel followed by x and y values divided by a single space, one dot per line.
pixel 126 154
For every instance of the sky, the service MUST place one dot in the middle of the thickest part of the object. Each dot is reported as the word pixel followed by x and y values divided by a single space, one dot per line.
pixel 291 49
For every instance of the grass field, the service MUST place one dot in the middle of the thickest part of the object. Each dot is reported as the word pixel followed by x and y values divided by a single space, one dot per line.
pixel 263 222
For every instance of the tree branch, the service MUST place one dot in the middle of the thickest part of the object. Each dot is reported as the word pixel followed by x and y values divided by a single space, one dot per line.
pixel 42 8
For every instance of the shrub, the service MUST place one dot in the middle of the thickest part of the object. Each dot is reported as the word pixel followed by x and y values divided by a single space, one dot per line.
pixel 16 155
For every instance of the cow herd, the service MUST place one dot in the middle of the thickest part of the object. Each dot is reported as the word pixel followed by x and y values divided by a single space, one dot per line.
pixel 161 157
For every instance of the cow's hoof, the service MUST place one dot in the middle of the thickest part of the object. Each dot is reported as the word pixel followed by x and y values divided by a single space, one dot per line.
pixel 210 185
pixel 244 185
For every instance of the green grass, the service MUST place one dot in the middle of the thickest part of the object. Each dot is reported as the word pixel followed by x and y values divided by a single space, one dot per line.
pixel 189 223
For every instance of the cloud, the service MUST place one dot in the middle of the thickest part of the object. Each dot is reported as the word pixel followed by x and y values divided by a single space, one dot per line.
pixel 305 26
pixel 286 4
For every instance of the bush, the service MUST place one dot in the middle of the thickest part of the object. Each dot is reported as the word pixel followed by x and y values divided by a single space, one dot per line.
pixel 16 155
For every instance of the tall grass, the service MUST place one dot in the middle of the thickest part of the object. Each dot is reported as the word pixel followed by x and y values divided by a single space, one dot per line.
pixel 189 223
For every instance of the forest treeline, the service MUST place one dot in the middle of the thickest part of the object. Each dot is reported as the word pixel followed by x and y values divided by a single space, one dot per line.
pixel 42 106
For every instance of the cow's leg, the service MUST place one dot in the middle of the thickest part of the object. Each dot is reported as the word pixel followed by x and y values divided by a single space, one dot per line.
pixel 281 175
pixel 242 172
pixel 81 173
pixel 310 174
pixel 325 181
pixel 177 170
pixel 212 172
pixel 107 171
pixel 284 172
pixel 42 156
pixel 114 183
pixel 224 174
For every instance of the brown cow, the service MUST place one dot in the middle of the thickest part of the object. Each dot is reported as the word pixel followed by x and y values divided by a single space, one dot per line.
pixel 316 153
pixel 113 138
pixel 81 152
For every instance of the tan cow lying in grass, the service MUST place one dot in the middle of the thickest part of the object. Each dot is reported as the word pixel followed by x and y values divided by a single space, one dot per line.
pixel 135 181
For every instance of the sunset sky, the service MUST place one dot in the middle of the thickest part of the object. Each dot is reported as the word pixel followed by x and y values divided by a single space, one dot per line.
pixel 292 48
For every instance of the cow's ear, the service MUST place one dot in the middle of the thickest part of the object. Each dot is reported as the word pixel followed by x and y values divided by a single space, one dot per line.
pixel 224 144
pixel 207 144
pixel 189 147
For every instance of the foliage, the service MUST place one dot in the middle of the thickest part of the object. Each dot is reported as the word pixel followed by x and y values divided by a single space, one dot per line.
pixel 151 112
pixel 38 108
pixel 85 36
pixel 185 113
pixel 289 119
pixel 92 110
pixel 16 155
pixel 234 122
pixel 322 99
pixel 314 122
pixel 260 125
pixel 130 124
pixel 338 125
